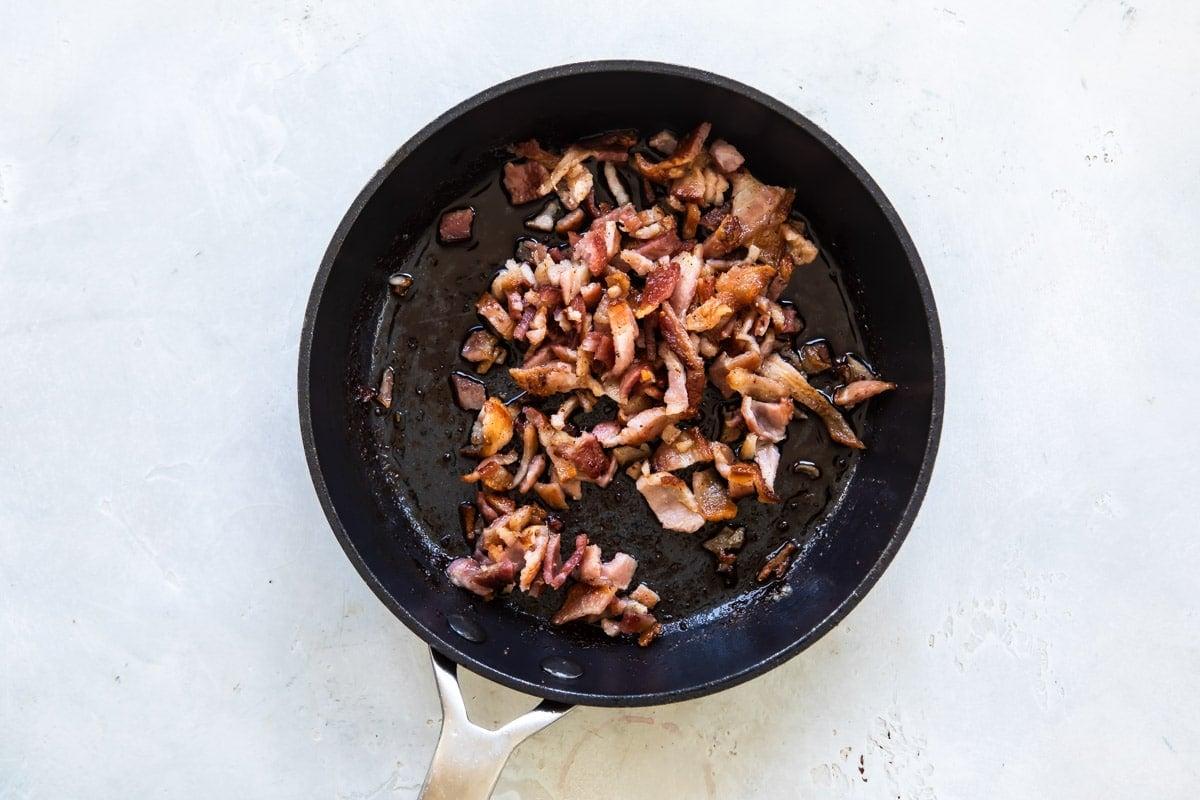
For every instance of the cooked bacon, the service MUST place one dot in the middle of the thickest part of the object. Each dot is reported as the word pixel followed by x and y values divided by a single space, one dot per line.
pixel 584 601
pixel 552 494
pixel 546 379
pixel 645 595
pixel 617 572
pixel 676 396
pixel 659 286
pixel 493 427
pixel 726 237
pixel 816 357
pixel 800 248
pixel 685 288
pixel 664 142
pixel 725 546
pixel 533 151
pixel 691 221
pixel 679 161
pixel 492 474
pixel 718 373
pixel 803 392
pixel 483 349
pixel 641 428
pixel 689 188
pixel 766 458
pixel 725 156
pixel 589 457
pixel 524 181
pixel 750 384
pixel 767 421
pixel 671 501
pixel 576 185
pixel 482 580
pixel 573 157
pixel 637 262
pixel 624 334
pixel 668 244
pixel 678 340
pixel 689 448
pixel 537 466
pixel 854 393
pixel 469 393
pixel 491 310
pixel 741 286
pixel 712 313
pixel 777 564
pixel 620 196
pixel 533 558
pixel 570 221
pixel 552 573
pixel 711 496
pixel 455 226
pixel 597 246
pixel 712 218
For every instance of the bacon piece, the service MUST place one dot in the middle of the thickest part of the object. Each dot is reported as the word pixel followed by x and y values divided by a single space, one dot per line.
pixel 671 501
pixel 689 187
pixel 637 262
pixel 480 579
pixel 691 220
pixel 533 151
pixel 725 156
pixel 553 574
pixel 469 393
pixel 676 396
pixel 493 427
pixel 800 248
pixel 741 286
pixel 711 496
pixel 533 558
pixel 544 380
pixel 584 601
pixel 689 448
pixel 726 237
pixel 624 335
pixel 767 421
pixel 618 571
pixel 725 546
pixel 491 310
pixel 573 157
pixel 455 226
pixel 491 473
pixel 750 384
pixel 483 349
pixel 685 288
pixel 659 286
pixel 712 218
pixel 537 466
pixel 678 340
pixel 613 181
pixel 815 357
pixel 524 182
pixel 664 142
pixel 589 457
pixel 645 595
pixel 569 222
pixel 551 494
pixel 719 371
pixel 766 458
pixel 712 313
pixel 596 247
pixel 854 393
pixel 668 244
pixel 680 159
pixel 777 564
pixel 575 186
pixel 641 428
pixel 804 393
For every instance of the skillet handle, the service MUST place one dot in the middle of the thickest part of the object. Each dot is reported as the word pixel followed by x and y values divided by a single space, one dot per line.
pixel 468 759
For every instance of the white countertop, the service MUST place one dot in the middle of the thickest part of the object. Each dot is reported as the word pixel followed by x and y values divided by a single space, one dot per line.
pixel 177 621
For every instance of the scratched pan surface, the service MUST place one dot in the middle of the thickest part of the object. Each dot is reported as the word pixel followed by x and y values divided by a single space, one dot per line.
pixel 389 480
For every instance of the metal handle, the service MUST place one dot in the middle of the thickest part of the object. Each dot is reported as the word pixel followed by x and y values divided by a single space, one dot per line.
pixel 468 759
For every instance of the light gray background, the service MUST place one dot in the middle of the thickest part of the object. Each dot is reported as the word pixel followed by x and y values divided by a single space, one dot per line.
pixel 176 620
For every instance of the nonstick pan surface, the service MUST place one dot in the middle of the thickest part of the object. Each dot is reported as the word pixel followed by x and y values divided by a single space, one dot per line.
pixel 389 480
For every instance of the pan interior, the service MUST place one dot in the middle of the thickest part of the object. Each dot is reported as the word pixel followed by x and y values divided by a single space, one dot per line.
pixel 389 480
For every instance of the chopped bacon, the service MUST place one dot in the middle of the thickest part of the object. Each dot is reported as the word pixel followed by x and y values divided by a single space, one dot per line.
pixel 569 222
pixel 854 393
pixel 767 421
pixel 668 244
pixel 679 161
pixel 725 156
pixel 777 564
pixel 524 182
pixel 660 285
pixel 671 501
pixel 689 448
pixel 553 574
pixel 624 334
pixel 493 427
pixel 664 142
pixel 816 357
pixel 711 496
pixel 584 601
pixel 533 151
pixel 546 379
pixel 589 457
pixel 725 546
pixel 749 384
pixel 455 226
pixel 743 285
pixel 685 288
pixel 641 428
pixel 482 348
pixel 469 393
pixel 491 310
pixel 482 580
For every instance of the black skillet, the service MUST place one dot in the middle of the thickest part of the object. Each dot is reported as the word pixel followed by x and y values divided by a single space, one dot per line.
pixel 388 479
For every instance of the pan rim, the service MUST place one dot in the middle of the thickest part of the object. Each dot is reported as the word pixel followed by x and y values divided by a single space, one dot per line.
pixel 908 516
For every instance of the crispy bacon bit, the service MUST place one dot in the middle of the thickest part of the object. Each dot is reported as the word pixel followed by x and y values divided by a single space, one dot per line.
pixel 490 309
pixel 679 161
pixel 671 501
pixel 523 182
pixel 777 564
pixel 664 142
pixel 800 248
pixel 691 221
pixel 482 580
pixel 546 379
pixel 469 393
pixel 725 546
pixel 455 226
pixel 483 350
pixel 725 156
pixel 767 421
pixel 468 515
pixel 660 284
pixel 386 382
pixel 711 496
pixel 584 601
pixel 689 447
pixel 533 151
pixel 854 393
pixel 816 357
pixel 493 428
pixel 645 595
pixel 570 221
pixel 544 221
